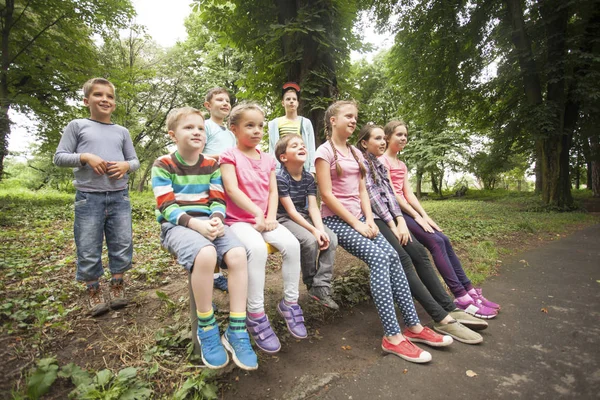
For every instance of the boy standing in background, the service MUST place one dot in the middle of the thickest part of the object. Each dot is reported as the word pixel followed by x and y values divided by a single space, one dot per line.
pixel 101 154
pixel 218 139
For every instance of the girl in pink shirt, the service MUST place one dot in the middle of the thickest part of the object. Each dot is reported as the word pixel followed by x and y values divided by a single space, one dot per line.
pixel 427 232
pixel 251 196
pixel 347 212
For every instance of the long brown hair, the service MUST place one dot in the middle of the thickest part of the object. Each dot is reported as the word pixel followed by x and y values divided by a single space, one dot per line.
pixel 333 111
pixel 365 134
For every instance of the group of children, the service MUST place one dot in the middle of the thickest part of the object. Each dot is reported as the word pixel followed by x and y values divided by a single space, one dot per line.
pixel 222 201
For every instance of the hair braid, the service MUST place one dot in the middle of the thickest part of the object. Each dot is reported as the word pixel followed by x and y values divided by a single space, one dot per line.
pixel 338 168
pixel 361 167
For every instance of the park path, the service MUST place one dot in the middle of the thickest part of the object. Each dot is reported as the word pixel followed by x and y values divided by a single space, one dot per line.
pixel 544 344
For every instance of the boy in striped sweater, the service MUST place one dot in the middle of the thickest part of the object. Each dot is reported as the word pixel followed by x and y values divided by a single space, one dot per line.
pixel 190 205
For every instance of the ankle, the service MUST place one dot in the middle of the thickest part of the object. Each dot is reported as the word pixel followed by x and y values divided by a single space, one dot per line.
pixel 256 315
pixel 416 328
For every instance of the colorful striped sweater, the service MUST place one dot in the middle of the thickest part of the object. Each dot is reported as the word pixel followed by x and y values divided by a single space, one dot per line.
pixel 185 191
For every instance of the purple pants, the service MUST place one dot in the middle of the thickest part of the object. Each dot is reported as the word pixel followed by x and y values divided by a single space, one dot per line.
pixel 444 257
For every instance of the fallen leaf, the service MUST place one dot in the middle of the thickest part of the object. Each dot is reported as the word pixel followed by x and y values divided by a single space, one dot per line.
pixel 524 262
pixel 544 310
pixel 405 371
pixel 237 378
pixel 471 374
pixel 346 348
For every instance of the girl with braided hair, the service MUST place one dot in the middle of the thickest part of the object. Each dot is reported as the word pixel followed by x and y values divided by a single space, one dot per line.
pixel 347 212
pixel 422 278
pixel 426 231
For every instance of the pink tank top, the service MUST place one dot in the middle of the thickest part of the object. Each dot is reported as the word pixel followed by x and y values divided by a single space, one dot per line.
pixel 398 172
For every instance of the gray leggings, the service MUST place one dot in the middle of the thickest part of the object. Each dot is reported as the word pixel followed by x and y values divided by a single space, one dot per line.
pixel 424 283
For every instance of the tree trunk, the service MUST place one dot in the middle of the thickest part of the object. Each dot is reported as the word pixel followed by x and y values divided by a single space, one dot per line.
pixel 144 177
pixel 7 14
pixel 434 185
pixel 419 177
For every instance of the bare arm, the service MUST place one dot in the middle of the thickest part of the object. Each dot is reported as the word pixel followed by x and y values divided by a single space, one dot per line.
pixel 422 219
pixel 271 220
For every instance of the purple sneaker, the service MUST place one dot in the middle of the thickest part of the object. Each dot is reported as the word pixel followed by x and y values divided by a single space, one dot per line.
pixel 486 302
pixel 263 334
pixel 476 308
pixel 292 314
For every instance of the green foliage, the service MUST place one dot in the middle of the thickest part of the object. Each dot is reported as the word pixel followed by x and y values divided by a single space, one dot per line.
pixel 196 387
pixel 42 378
pixel 352 287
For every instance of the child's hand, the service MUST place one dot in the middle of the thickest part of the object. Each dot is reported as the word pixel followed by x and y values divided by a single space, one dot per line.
pixel 433 224
pixel 364 230
pixel 426 227
pixel 322 239
pixel 96 163
pixel 402 235
pixel 374 228
pixel 271 224
pixel 259 223
pixel 203 227
pixel 117 169
pixel 218 224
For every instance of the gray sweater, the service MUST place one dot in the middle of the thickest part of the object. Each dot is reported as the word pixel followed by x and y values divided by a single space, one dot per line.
pixel 111 142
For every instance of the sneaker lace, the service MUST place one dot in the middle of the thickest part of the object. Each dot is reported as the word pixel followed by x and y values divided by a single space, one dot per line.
pixel 241 343
pixel 95 296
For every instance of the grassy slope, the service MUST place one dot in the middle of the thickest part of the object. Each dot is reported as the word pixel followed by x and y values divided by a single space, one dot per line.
pixel 40 298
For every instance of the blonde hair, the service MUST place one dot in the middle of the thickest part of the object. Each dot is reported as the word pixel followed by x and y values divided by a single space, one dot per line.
pixel 390 127
pixel 87 87
pixel 333 111
pixel 238 111
pixel 282 144
pixel 176 114
pixel 365 134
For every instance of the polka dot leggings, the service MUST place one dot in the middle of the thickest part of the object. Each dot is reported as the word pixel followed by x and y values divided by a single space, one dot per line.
pixel 388 282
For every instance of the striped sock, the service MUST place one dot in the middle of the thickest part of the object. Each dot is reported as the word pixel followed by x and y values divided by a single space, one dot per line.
pixel 237 321
pixel 206 320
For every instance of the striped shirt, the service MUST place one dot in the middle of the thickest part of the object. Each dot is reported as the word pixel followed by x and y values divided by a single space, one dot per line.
pixel 185 191
pixel 287 127
pixel 297 191
pixel 383 200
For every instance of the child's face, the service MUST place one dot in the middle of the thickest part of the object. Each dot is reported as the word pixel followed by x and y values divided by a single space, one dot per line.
pixel 290 101
pixel 398 139
pixel 101 101
pixel 189 134
pixel 219 106
pixel 344 122
pixel 376 143
pixel 250 128
pixel 295 152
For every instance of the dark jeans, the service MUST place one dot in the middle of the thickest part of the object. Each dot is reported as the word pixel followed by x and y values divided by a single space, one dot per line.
pixel 444 257
pixel 424 283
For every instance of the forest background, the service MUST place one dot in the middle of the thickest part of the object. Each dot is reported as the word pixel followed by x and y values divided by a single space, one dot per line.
pixel 498 89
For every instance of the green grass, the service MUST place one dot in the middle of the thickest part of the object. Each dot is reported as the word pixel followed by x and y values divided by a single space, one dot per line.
pixel 39 302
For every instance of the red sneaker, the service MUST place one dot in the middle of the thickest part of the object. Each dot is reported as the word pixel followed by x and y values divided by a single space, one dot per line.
pixel 429 337
pixel 405 349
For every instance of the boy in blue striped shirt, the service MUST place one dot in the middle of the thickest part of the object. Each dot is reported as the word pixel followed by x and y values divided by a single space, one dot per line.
pixel 299 213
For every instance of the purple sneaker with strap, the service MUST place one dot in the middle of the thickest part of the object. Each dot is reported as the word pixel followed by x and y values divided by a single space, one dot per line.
pixel 292 314
pixel 485 301
pixel 263 334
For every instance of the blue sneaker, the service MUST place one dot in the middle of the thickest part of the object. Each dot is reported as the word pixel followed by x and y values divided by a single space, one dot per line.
pixel 221 283
pixel 238 344
pixel 213 352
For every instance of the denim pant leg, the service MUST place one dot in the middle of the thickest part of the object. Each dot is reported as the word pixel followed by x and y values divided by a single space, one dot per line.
pixel 417 288
pixel 118 231
pixel 88 230
pixel 428 275
pixel 435 244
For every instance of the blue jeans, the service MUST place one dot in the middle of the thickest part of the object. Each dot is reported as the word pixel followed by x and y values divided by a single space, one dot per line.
pixel 100 214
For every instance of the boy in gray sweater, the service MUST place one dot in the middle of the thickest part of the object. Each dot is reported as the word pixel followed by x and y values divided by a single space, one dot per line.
pixel 101 154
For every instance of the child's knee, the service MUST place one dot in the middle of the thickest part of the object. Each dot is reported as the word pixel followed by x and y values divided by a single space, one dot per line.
pixel 236 258
pixel 206 258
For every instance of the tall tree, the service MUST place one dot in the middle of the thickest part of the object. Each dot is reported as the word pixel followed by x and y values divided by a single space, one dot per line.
pixel 47 53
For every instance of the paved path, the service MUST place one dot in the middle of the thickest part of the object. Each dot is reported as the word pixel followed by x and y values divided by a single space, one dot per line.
pixel 545 344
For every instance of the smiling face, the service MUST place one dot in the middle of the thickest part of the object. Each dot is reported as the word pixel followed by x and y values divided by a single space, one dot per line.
pixel 101 102
pixel 343 123
pixel 249 129
pixel 398 139
pixel 189 134
pixel 295 152
pixel 219 106
pixel 290 101
pixel 376 142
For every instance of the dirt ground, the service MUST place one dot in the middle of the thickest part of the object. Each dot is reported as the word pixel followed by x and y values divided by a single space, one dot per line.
pixel 121 338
